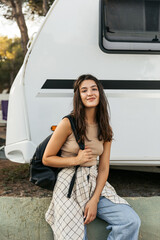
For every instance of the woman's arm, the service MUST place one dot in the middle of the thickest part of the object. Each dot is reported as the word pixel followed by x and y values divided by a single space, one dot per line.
pixel 103 172
pixel 58 138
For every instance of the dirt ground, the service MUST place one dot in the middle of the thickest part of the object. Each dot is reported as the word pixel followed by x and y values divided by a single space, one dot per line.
pixel 14 177
pixel 14 180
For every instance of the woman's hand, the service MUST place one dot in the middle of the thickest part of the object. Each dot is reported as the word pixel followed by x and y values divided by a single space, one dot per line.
pixel 84 156
pixel 90 211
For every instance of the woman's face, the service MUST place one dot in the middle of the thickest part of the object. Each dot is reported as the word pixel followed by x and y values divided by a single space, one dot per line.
pixel 89 93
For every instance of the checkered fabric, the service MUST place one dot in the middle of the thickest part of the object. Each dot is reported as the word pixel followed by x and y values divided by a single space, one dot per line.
pixel 65 215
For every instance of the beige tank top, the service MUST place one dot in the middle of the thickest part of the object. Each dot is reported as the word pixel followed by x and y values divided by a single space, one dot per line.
pixel 70 148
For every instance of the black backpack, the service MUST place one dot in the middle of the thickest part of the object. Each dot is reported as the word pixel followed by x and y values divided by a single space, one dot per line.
pixel 44 176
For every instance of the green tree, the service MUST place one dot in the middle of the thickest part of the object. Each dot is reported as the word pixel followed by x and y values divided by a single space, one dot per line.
pixel 14 12
pixel 40 7
pixel 11 59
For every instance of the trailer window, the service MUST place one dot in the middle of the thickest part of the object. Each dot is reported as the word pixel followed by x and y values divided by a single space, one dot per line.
pixel 130 25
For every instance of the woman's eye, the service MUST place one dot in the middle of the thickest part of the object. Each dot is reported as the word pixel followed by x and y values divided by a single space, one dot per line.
pixel 93 89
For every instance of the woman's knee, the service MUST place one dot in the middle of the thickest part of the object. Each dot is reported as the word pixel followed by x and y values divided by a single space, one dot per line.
pixel 137 221
pixel 134 220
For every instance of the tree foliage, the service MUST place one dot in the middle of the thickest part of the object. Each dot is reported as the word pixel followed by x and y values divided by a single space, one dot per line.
pixel 40 7
pixel 11 58
pixel 13 11
pixel 12 51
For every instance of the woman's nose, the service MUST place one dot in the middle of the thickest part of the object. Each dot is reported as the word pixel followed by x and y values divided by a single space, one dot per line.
pixel 89 92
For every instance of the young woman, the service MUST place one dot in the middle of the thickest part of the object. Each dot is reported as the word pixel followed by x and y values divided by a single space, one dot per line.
pixel 92 195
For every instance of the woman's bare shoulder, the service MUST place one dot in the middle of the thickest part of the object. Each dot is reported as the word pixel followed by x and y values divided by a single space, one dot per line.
pixel 64 124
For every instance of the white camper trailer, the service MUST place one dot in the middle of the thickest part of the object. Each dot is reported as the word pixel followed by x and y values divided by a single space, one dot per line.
pixel 118 42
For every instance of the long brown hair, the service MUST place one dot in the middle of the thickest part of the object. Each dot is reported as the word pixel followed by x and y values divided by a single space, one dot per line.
pixel 102 116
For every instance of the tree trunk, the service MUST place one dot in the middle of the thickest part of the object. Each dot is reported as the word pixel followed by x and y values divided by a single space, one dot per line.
pixel 16 6
pixel 45 7
pixel 19 17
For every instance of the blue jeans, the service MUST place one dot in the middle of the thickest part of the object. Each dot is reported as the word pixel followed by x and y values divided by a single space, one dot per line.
pixel 122 220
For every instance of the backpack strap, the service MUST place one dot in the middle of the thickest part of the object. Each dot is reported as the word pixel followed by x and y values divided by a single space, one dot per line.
pixel 72 182
pixel 73 126
pixel 81 145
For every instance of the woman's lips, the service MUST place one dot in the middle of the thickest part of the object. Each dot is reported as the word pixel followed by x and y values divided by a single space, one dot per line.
pixel 90 99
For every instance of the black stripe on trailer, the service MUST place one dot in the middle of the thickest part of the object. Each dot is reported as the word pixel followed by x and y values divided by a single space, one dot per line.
pixel 107 84
pixel 58 84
